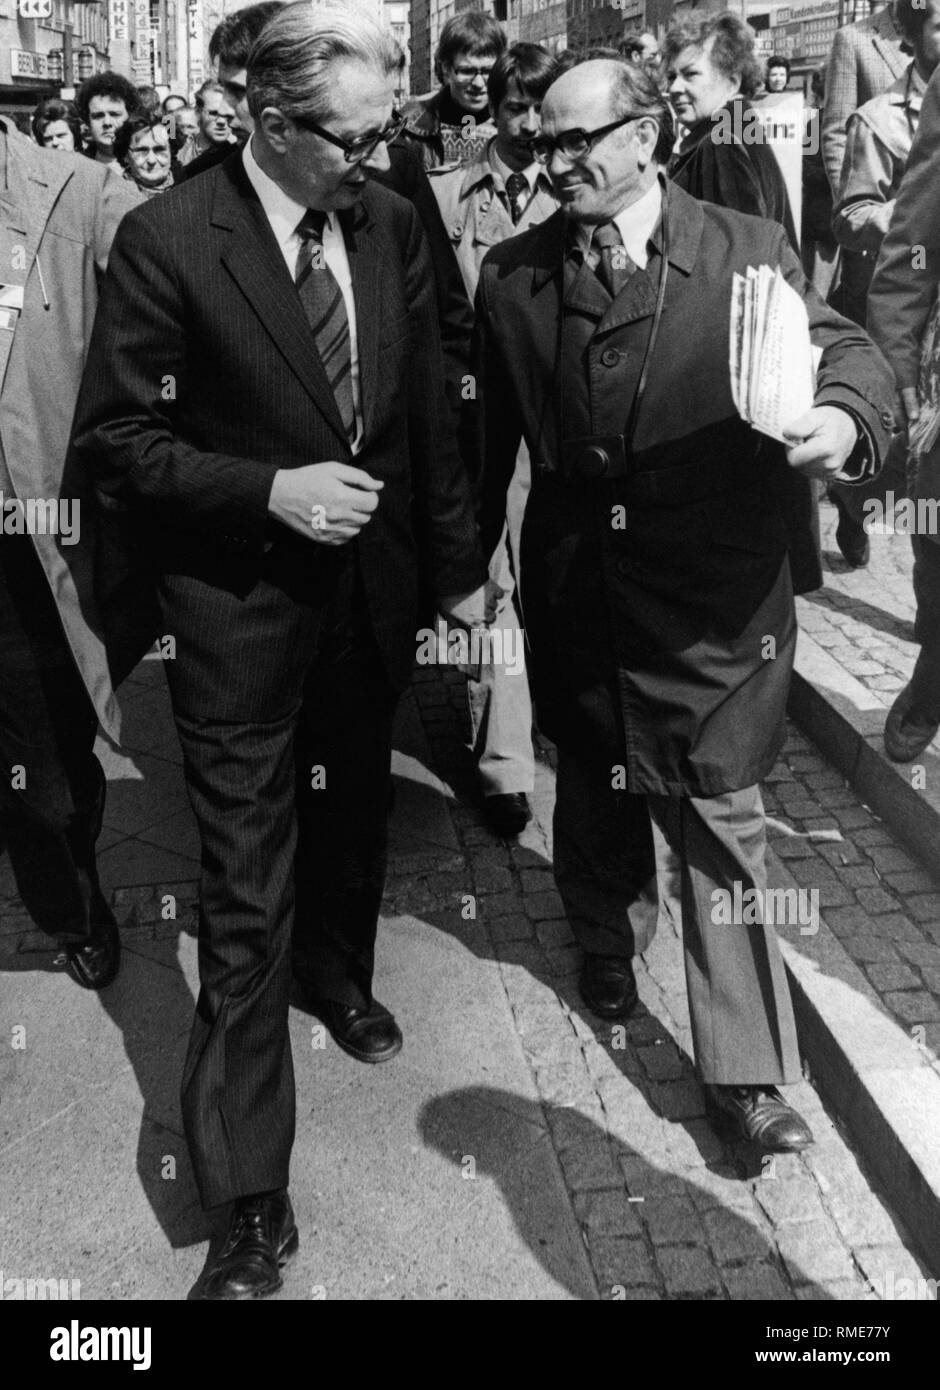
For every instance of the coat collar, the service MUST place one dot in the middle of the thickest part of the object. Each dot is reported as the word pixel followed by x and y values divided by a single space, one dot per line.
pixel 254 260
pixel 685 219
pixel 888 40
pixel 33 181
pixel 479 171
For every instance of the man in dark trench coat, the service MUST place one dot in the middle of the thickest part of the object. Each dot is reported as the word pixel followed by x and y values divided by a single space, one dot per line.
pixel 658 594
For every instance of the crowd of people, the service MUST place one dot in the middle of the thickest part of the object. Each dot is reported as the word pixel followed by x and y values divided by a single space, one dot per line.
pixel 322 367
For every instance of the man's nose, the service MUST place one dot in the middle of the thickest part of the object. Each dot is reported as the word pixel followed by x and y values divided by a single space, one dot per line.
pixel 558 162
pixel 531 123
pixel 379 158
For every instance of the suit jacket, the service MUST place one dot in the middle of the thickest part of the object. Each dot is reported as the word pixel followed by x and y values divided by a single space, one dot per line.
pixel 648 598
pixel 904 287
pixel 203 379
pixel 865 60
pixel 62 212
pixel 406 176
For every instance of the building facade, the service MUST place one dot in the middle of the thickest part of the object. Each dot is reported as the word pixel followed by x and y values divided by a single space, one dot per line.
pixel 46 47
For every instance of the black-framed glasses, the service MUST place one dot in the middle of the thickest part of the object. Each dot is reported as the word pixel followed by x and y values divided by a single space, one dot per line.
pixel 575 144
pixel 365 145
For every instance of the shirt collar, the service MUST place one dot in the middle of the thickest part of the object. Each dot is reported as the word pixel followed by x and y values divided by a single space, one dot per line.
pixel 282 211
pixel 502 169
pixel 636 224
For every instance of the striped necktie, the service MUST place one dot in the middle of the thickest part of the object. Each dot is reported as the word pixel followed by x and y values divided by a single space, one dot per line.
pixel 325 308
pixel 613 266
pixel 517 188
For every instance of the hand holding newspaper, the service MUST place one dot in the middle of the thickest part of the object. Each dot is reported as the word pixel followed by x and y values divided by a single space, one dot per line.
pixel 772 360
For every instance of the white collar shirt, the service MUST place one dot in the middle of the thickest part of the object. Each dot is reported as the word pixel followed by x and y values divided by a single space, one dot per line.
pixel 283 214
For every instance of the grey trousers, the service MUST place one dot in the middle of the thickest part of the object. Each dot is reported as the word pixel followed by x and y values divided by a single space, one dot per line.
pixel 610 849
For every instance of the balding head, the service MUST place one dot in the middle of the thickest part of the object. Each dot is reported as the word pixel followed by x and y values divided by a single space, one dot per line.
pixel 623 163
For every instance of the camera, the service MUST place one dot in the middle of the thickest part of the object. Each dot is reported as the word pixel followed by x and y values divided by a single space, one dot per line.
pixel 594 457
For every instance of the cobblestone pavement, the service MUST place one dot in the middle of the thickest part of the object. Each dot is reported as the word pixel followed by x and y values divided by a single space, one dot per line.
pixel 666 1211
pixel 865 617
pixel 882 904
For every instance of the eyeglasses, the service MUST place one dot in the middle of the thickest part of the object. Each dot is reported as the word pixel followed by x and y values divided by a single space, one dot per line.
pixel 466 74
pixel 575 144
pixel 356 150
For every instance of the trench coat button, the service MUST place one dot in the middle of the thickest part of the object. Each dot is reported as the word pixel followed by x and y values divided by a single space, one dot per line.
pixel 887 419
pixel 457 230
pixel 610 357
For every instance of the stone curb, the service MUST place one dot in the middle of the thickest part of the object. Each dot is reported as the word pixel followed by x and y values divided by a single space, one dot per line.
pixel 870 1070
pixel 846 721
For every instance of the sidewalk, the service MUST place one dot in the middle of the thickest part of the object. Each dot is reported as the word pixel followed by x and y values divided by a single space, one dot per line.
pixel 518 1148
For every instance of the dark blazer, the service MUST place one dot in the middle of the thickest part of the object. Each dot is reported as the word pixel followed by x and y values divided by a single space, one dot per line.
pixel 866 58
pixel 407 178
pixel 203 379
pixel 648 626
pixel 732 173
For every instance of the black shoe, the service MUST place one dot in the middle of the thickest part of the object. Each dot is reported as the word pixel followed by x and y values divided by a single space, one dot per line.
pixel 907 731
pixel 262 1237
pixel 851 536
pixel 758 1114
pixel 94 964
pixel 369 1035
pixel 507 814
pixel 608 986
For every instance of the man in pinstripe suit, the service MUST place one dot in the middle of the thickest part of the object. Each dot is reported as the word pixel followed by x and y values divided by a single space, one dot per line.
pixel 265 387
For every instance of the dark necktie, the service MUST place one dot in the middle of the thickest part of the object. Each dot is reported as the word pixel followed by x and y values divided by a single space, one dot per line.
pixel 612 266
pixel 517 188
pixel 325 308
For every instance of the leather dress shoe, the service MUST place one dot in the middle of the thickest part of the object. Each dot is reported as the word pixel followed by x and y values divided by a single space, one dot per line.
pixel 608 986
pixel 758 1114
pixel 851 537
pixel 907 731
pixel 369 1035
pixel 261 1238
pixel 507 814
pixel 94 964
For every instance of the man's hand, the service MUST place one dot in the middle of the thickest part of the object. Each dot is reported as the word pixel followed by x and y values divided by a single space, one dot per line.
pixel 822 441
pixel 326 502
pixel 910 404
pixel 475 609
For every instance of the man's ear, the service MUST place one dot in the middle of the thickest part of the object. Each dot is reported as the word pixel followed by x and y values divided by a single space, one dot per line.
pixel 647 133
pixel 278 129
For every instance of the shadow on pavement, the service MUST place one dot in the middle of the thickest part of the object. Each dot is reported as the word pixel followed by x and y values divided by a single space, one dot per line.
pixel 668 1214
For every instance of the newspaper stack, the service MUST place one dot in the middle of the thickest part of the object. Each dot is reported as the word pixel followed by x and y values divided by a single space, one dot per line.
pixel 772 361
pixel 923 433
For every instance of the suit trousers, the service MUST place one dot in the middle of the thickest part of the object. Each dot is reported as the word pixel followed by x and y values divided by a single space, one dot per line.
pixel 617 852
pixel 500 703
pixel 50 812
pixel 284 714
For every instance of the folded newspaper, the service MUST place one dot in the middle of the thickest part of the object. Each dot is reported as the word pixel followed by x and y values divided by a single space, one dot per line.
pixel 923 433
pixel 772 360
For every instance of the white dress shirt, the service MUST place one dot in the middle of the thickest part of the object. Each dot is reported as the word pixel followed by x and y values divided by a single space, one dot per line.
pixel 635 223
pixel 283 215
pixel 502 169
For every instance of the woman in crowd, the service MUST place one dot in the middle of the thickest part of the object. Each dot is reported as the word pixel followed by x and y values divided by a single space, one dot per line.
pixel 712 72
pixel 880 135
pixel 142 148
pixel 56 125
